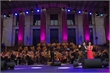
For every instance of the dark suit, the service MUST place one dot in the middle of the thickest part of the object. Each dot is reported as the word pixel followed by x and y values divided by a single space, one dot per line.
pixel 52 53
pixel 83 49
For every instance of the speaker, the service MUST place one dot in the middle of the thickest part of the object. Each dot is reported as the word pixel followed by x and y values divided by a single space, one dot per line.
pixel 56 64
pixel 92 63
pixel 4 65
pixel 11 65
pixel 105 64
pixel 75 63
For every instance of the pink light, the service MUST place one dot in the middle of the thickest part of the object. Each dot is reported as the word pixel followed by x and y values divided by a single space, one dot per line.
pixel 43 27
pixel 65 37
pixel 42 37
pixel 86 27
pixel 108 37
pixel 20 37
pixel 64 27
pixel 87 38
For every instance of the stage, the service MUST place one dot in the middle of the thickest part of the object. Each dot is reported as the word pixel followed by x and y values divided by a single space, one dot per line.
pixel 64 68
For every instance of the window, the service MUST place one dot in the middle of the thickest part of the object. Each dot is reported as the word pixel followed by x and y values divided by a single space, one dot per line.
pixel 54 36
pixel 53 19
pixel 70 22
pixel 36 36
pixel 70 19
pixel 17 20
pixel 90 19
pixel 72 35
pixel 36 20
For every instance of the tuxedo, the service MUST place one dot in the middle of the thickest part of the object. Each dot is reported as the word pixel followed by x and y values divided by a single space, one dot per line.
pixel 83 49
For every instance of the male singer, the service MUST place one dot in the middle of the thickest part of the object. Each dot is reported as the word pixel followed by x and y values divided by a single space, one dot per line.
pixel 83 49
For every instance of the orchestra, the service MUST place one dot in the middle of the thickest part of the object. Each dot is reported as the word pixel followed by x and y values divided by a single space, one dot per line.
pixel 43 53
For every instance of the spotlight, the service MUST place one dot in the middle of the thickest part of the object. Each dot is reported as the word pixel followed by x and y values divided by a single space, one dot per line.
pixel 38 10
pixel 8 15
pixel 68 10
pixel 90 13
pixel 31 10
pixel 4 15
pixel 79 11
pixel 85 12
pixel 74 10
pixel 16 14
pixel 20 12
pixel 97 14
pixel 27 12
pixel 101 14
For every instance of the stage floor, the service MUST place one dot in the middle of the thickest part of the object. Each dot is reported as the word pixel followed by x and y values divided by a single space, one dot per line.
pixel 64 68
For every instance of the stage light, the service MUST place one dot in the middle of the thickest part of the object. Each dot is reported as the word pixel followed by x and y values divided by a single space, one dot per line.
pixel 101 14
pixel 74 10
pixel 68 10
pixel 16 14
pixel 90 13
pixel 31 10
pixel 97 14
pixel 79 11
pixel 63 67
pixel 36 67
pixel 27 12
pixel 4 15
pixel 8 15
pixel 38 10
pixel 20 12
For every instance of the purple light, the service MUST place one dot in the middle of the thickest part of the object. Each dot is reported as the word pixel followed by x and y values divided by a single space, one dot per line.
pixel 16 14
pixel 79 11
pixel 27 12
pixel 90 13
pixel 63 67
pixel 108 37
pixel 65 37
pixel 38 10
pixel 42 37
pixel 87 38
pixel 36 67
pixel 68 10
pixel 20 37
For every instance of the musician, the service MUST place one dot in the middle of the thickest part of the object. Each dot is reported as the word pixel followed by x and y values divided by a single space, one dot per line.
pixel 99 54
pixel 37 57
pixel 13 56
pixel 105 55
pixel 52 49
pixel 7 57
pixel 43 55
pixel 20 49
pixel 74 55
pixel 30 58
pixel 64 56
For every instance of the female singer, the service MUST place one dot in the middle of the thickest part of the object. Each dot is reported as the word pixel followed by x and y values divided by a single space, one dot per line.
pixel 89 51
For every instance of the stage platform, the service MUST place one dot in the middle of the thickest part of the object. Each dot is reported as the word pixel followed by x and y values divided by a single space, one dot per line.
pixel 64 68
